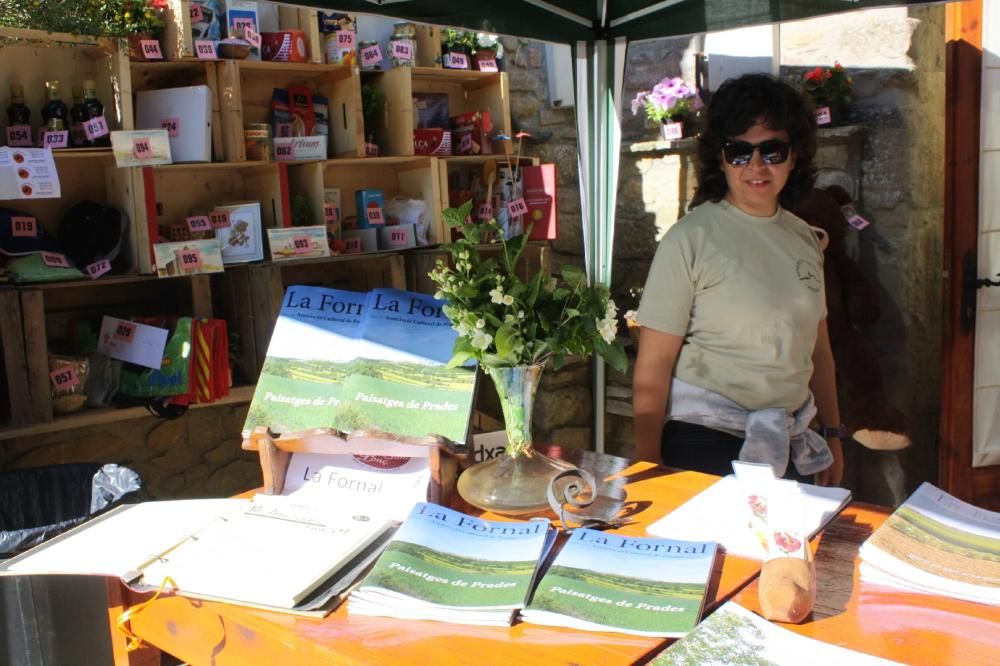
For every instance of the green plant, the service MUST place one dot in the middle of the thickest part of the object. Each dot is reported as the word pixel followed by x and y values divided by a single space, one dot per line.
pixel 451 37
pixel 670 99
pixel 301 211
pixel 372 103
pixel 828 86
pixel 101 18
pixel 503 321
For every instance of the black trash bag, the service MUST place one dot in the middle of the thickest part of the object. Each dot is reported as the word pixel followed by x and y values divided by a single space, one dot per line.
pixel 38 503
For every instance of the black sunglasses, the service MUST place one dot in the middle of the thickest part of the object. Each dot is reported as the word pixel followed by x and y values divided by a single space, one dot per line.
pixel 772 151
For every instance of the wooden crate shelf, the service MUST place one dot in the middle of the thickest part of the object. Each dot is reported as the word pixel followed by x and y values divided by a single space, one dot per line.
pixel 15 401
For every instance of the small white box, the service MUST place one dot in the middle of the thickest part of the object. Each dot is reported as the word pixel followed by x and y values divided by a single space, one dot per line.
pixel 186 114
pixel 368 237
pixel 291 148
pixel 396 237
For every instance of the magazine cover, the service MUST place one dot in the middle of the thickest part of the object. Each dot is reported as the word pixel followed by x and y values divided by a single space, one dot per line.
pixel 447 565
pixel 348 360
pixel 938 544
pixel 734 635
pixel 635 585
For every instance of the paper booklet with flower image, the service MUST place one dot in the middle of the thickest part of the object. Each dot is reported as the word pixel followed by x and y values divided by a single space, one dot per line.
pixel 449 566
pixel 372 361
pixel 634 585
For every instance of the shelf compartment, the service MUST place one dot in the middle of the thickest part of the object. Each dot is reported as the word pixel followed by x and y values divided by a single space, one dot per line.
pixel 15 402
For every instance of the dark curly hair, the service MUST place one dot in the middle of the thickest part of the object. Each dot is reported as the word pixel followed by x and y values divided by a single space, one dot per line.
pixel 735 107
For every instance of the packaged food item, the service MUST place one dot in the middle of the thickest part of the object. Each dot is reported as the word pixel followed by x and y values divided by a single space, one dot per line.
pixel 366 64
pixel 300 103
pixel 281 113
pixel 340 37
pixel 370 205
pixel 321 112
pixel 257 141
pixel 283 46
pixel 331 212
pixel 471 133
pixel 432 141
pixel 206 19
pixel 403 44
pixel 403 211
pixel 431 110
pixel 68 380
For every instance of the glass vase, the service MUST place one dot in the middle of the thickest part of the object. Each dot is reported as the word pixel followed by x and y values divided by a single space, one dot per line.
pixel 516 482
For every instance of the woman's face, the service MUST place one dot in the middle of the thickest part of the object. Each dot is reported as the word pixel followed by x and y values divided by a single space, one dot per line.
pixel 755 186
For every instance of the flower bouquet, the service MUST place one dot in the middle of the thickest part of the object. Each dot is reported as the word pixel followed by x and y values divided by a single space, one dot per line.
pixel 513 328
pixel 830 90
pixel 670 102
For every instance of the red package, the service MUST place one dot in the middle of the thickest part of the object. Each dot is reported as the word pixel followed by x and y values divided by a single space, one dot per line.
pixel 431 141
pixel 283 46
pixel 539 187
pixel 471 132
pixel 300 102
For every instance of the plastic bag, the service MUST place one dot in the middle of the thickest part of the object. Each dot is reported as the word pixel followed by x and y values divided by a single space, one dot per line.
pixel 400 210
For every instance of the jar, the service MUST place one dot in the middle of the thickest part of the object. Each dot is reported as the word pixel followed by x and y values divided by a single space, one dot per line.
pixel 257 142
pixel 368 67
pixel 403 44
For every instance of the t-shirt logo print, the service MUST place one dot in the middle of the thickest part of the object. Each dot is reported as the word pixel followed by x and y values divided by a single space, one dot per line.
pixel 808 274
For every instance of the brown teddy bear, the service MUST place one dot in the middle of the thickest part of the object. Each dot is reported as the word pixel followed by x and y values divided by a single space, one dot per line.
pixel 852 303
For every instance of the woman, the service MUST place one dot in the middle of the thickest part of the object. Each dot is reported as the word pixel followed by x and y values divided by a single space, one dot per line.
pixel 733 348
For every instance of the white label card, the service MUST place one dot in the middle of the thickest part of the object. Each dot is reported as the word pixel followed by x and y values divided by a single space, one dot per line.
pixel 132 342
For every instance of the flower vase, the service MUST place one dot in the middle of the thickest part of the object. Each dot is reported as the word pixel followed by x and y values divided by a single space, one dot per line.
pixel 516 482
pixel 135 52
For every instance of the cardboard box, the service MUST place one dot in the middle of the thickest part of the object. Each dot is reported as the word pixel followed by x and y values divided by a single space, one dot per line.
pixel 289 149
pixel 470 133
pixel 397 237
pixel 430 141
pixel 186 114
pixel 538 184
pixel 370 205
pixel 289 243
pixel 368 238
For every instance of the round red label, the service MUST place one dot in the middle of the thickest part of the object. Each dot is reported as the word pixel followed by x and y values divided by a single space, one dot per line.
pixel 382 462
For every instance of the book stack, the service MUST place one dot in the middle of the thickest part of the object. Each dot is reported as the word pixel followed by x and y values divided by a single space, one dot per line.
pixel 937 544
pixel 448 566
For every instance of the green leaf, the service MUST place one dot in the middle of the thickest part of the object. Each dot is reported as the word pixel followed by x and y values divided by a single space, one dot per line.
pixel 574 276
pixel 506 340
pixel 614 354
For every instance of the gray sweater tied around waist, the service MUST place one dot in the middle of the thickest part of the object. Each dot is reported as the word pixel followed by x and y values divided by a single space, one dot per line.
pixel 772 435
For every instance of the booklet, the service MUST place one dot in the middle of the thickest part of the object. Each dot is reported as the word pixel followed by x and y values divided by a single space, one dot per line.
pixel 634 585
pixel 734 635
pixel 723 513
pixel 449 566
pixel 268 552
pixel 349 361
pixel 937 544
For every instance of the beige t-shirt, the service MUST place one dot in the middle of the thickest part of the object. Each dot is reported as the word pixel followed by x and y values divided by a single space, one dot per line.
pixel 747 294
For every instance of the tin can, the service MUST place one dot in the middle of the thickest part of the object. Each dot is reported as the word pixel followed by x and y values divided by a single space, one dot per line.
pixel 257 142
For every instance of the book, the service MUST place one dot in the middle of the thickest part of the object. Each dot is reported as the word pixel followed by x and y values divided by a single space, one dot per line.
pixel 734 635
pixel 353 361
pixel 633 585
pixel 936 544
pixel 268 553
pixel 449 566
pixel 718 514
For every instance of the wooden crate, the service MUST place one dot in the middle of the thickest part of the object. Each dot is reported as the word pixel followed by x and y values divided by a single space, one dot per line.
pixel 176 74
pixel 177 42
pixel 15 401
pixel 467 91
pixel 473 164
pixel 48 309
pixel 266 284
pixel 537 256
pixel 414 178
pixel 174 192
pixel 246 87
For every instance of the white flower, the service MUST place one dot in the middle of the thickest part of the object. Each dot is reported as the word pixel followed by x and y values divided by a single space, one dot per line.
pixel 612 310
pixel 496 295
pixel 520 314
pixel 481 339
pixel 608 328
pixel 464 254
pixel 439 294
pixel 508 299
pixel 480 323
pixel 509 319
pixel 463 328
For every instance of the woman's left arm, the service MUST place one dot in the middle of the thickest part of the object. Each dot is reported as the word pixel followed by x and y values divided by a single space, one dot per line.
pixel 823 385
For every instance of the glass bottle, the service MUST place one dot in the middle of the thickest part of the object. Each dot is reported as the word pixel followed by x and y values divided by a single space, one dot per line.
pixel 94 109
pixel 18 113
pixel 403 44
pixel 54 114
pixel 77 116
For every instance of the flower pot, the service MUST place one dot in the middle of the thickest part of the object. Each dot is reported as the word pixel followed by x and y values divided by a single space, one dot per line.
pixel 455 56
pixel 135 51
pixel 671 130
pixel 485 55
pixel 516 482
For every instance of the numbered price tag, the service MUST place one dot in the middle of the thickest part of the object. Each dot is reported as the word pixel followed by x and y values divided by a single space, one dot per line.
pixel 219 219
pixel 402 50
pixel 125 332
pixel 241 24
pixel 284 152
pixel 55 260
pixel 484 212
pixel 352 245
pixel 197 16
pixel 19 136
pixel 330 213
pixel 345 39
pixel 141 148
pixel 96 128
pixel 465 145
pixel 283 130
pixel 488 65
pixel 823 116
pixel 205 49
pixel 399 238
pixel 374 215
pixel 55 140
pixel 199 223
pixel 517 207
pixel 190 260
pixel 97 269
pixel 301 244
pixel 458 61
pixel 371 55
pixel 853 217
pixel 172 125
pixel 151 49
pixel 64 379
pixel 25 227
pixel 252 36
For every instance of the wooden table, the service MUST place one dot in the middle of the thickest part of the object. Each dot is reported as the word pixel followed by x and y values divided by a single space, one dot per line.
pixel 216 633
pixel 901 626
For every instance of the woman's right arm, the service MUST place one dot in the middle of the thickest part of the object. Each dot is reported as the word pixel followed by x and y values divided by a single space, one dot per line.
pixel 654 369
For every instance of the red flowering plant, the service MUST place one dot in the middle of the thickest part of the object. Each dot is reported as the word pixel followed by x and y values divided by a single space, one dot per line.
pixel 828 86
